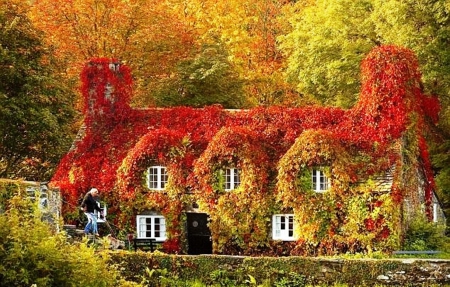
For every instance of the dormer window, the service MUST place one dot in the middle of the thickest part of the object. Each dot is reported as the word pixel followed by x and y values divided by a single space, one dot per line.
pixel 232 178
pixel 157 177
pixel 320 182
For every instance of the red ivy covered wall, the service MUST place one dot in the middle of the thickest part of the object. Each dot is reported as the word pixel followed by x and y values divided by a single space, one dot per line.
pixel 273 147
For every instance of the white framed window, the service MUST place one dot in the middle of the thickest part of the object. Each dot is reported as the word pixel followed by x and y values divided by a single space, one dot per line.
pixel 157 177
pixel 151 226
pixel 232 178
pixel 283 227
pixel 320 182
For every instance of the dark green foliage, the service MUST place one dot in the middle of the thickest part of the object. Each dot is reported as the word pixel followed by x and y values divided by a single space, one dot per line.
pixel 224 277
pixel 7 192
pixel 36 110
pixel 205 79
pixel 423 235
pixel 292 280
pixel 441 164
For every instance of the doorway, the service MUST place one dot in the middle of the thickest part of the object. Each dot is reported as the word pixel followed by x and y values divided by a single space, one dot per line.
pixel 199 235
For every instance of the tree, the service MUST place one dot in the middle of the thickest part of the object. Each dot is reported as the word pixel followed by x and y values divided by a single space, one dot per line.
pixel 154 37
pixel 248 30
pixel 36 111
pixel 149 36
pixel 208 78
pixel 327 42
pixel 328 38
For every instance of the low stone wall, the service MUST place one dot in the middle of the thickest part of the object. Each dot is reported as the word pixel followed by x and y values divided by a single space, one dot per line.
pixel 418 271
pixel 367 271
pixel 354 272
pixel 387 272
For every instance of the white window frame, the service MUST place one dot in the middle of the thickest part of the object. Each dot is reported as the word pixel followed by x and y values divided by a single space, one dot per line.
pixel 232 178
pixel 283 227
pixel 151 227
pixel 158 183
pixel 105 212
pixel 320 182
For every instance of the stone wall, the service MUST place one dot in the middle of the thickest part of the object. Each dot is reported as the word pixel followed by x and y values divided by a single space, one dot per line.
pixel 314 271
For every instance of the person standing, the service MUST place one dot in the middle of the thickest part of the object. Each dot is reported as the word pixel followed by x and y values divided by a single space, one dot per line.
pixel 89 205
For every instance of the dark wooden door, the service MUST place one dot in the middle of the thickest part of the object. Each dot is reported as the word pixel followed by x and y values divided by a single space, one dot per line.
pixel 199 235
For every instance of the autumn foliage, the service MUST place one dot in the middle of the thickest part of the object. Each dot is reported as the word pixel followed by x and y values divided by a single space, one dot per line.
pixel 156 38
pixel 275 148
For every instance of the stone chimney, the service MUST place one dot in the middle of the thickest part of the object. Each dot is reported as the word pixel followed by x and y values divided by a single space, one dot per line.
pixel 106 88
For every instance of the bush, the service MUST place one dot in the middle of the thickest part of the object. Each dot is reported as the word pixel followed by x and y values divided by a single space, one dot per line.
pixel 291 280
pixel 32 255
pixel 425 235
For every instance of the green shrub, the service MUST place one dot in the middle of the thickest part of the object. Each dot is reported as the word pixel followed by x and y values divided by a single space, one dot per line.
pixel 32 255
pixel 223 278
pixel 162 278
pixel 425 235
pixel 291 280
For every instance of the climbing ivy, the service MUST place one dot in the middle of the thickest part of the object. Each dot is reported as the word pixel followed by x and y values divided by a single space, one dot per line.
pixel 275 149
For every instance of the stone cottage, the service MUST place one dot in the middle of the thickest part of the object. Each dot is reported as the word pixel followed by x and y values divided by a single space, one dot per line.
pixel 267 180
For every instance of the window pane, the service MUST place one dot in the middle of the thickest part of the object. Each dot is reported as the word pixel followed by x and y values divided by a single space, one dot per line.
pixel 314 180
pixel 157 228
pixel 277 223
pixel 291 225
pixel 323 181
pixel 228 179
pixel 237 178
pixel 277 226
pixel 153 177
pixel 319 181
pixel 232 178
pixel 163 177
pixel 141 227
pixel 162 225
pixel 148 227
